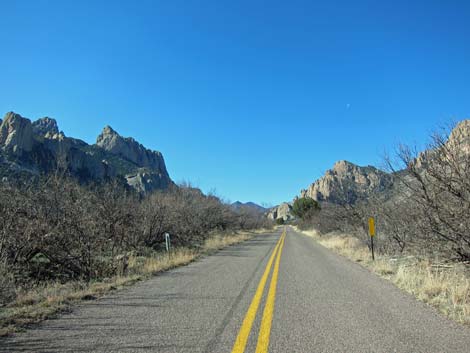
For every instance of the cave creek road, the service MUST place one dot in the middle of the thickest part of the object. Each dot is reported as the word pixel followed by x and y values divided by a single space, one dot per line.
pixel 278 292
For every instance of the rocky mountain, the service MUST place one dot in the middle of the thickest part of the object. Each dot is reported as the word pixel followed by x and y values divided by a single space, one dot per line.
pixel 40 147
pixel 248 207
pixel 347 183
pixel 16 135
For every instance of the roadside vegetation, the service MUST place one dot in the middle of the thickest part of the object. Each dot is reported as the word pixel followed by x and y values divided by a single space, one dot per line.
pixel 423 229
pixel 62 241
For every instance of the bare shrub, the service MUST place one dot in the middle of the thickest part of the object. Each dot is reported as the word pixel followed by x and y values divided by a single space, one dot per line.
pixel 54 228
pixel 438 183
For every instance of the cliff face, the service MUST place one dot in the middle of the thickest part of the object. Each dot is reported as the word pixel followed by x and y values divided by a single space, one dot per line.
pixel 16 134
pixel 151 171
pixel 347 183
pixel 131 150
pixel 39 147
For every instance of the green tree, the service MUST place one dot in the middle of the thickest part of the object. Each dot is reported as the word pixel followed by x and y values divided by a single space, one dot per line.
pixel 305 206
pixel 280 221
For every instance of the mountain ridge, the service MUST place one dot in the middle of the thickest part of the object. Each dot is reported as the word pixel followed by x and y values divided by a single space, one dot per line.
pixel 248 206
pixel 37 147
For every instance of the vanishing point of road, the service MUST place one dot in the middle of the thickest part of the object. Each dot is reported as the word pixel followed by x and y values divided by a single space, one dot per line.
pixel 279 292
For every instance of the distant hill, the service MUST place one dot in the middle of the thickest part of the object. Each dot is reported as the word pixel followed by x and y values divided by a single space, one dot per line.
pixel 248 206
pixel 34 148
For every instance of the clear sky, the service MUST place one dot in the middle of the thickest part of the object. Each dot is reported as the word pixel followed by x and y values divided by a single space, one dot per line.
pixel 255 99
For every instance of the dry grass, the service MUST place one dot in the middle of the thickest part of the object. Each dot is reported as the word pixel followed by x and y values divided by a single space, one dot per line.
pixel 161 262
pixel 219 242
pixel 44 301
pixel 47 300
pixel 309 232
pixel 447 288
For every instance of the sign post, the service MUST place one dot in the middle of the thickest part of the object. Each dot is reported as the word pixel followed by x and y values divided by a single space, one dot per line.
pixel 372 235
pixel 167 243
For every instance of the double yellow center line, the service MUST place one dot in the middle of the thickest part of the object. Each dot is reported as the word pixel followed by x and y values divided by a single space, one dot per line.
pixel 265 329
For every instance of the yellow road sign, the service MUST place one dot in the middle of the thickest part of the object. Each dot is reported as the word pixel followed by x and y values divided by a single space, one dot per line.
pixel 371 226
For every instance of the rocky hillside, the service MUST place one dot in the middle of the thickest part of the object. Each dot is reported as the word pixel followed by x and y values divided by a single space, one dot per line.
pixel 39 147
pixel 347 183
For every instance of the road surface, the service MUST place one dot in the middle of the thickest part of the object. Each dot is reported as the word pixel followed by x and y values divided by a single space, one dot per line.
pixel 273 293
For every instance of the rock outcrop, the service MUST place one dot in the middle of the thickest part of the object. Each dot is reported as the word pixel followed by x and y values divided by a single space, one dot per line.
pixel 347 183
pixel 283 211
pixel 40 147
pixel 130 149
pixel 145 181
pixel 16 134
pixel 151 171
pixel 46 127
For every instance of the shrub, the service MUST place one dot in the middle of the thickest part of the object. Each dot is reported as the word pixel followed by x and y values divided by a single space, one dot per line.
pixel 304 207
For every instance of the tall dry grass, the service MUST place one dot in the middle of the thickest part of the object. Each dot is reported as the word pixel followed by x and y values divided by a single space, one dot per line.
pixel 446 287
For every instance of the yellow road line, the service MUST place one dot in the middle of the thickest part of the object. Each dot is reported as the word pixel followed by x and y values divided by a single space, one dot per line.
pixel 242 338
pixel 265 329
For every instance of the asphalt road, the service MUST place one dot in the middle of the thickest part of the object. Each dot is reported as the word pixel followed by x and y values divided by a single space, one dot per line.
pixel 269 293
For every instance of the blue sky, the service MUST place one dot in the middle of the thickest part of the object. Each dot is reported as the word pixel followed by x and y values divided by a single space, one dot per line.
pixel 255 99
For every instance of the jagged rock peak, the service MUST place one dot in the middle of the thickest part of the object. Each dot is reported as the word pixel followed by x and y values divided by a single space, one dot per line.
pixel 11 116
pixel 45 126
pixel 108 130
pixel 343 166
pixel 39 147
pixel 130 149
pixel 16 134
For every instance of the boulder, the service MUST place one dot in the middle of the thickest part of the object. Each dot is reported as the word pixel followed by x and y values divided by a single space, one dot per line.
pixel 145 181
